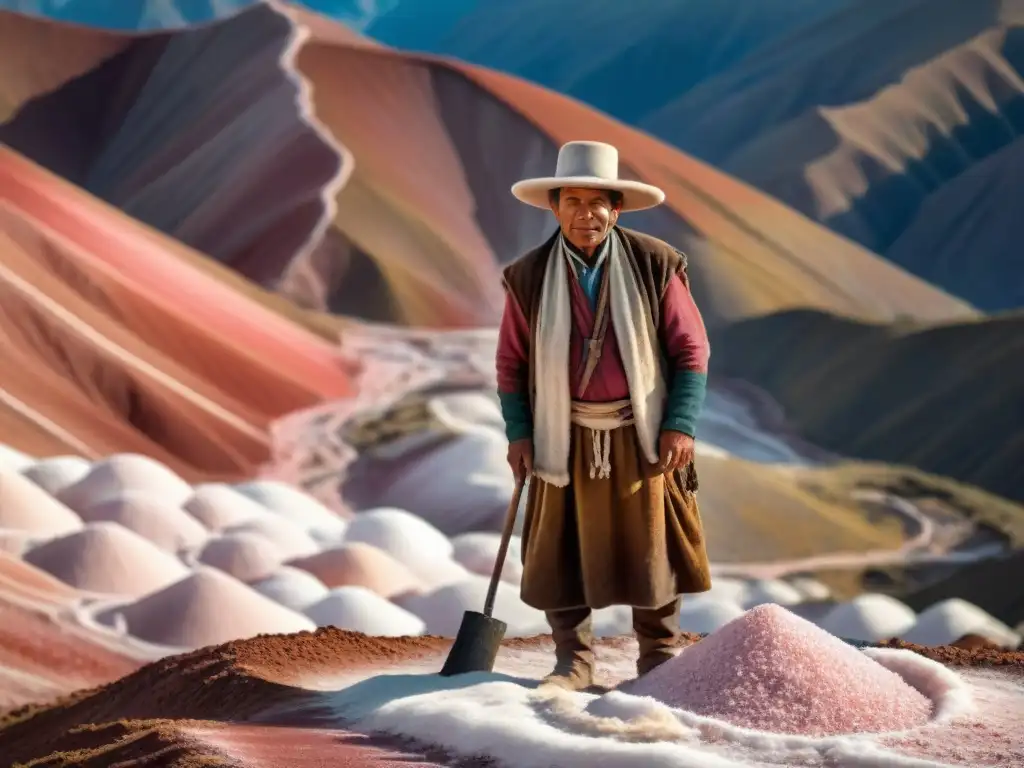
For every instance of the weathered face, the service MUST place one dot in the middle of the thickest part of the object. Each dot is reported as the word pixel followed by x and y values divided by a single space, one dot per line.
pixel 586 216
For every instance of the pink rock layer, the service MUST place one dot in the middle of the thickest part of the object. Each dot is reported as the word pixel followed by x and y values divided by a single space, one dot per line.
pixel 773 671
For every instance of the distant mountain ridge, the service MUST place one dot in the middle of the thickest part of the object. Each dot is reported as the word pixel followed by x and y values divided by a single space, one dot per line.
pixel 873 118
pixel 657 51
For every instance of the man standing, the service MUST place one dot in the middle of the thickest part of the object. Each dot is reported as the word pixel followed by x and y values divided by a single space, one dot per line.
pixel 602 368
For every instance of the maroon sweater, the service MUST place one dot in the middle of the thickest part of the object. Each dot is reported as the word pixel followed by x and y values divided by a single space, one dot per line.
pixel 684 344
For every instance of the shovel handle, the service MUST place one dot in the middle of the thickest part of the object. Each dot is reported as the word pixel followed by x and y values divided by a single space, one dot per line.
pixel 506 537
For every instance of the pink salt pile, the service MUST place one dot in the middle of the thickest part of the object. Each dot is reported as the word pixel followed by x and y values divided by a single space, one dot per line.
pixel 773 671
pixel 207 607
pixel 108 558
pixel 360 565
pixel 164 524
pixel 24 506
pixel 218 506
pixel 290 539
pixel 122 472
pixel 245 555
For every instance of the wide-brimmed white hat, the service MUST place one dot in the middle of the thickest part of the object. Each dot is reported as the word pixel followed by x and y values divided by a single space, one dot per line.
pixel 591 165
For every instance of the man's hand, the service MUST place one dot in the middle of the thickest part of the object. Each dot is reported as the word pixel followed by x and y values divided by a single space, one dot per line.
pixel 675 450
pixel 520 458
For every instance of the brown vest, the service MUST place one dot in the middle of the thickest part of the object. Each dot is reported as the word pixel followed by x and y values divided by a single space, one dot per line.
pixel 653 261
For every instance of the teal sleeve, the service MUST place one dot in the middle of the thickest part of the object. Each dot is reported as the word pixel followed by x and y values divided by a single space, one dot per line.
pixel 515 410
pixel 685 401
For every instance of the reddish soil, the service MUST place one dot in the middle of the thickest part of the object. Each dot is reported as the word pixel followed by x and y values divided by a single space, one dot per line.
pixel 205 744
pixel 973 642
pixel 130 743
pixel 952 656
pixel 235 682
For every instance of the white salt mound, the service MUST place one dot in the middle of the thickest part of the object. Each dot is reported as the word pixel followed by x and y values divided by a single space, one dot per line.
pixel 106 557
pixel 443 608
pixel 24 506
pixel 762 591
pixel 291 540
pixel 207 607
pixel 219 506
pixel 869 617
pixel 114 475
pixel 55 473
pixel 359 610
pixel 163 524
pixel 948 621
pixel 360 565
pixel 12 458
pixel 462 485
pixel 246 556
pixel 706 616
pixel 810 588
pixel 773 671
pixel 291 587
pixel 702 616
pixel 477 552
pixel 613 621
pixel 725 588
pixel 414 542
pixel 293 504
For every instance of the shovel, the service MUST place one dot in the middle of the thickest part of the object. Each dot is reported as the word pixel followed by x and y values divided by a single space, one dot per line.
pixel 479 638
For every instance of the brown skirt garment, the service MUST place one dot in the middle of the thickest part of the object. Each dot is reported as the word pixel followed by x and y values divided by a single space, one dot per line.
pixel 634 538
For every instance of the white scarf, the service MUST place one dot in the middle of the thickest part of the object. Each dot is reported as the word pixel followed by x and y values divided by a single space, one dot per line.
pixel 637 339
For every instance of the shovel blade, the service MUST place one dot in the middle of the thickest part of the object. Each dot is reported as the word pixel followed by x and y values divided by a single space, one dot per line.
pixel 476 645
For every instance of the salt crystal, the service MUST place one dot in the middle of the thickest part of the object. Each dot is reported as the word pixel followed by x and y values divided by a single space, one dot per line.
pixel 773 671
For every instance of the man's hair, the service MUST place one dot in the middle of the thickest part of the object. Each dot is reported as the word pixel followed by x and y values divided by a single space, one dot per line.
pixel 614 196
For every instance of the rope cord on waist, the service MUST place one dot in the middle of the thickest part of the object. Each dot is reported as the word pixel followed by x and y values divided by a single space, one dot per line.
pixel 601 466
